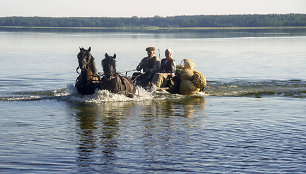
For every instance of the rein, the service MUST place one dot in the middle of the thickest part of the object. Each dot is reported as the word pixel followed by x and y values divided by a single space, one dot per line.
pixel 77 69
pixel 126 72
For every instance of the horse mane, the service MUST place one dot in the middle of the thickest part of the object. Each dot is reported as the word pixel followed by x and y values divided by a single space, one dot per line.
pixel 109 65
pixel 87 81
pixel 92 64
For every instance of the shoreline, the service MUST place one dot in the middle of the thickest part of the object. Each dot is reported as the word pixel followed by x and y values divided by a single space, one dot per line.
pixel 155 28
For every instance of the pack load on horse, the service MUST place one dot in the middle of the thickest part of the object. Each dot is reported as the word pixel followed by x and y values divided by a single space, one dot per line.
pixel 187 81
pixel 89 81
pixel 191 81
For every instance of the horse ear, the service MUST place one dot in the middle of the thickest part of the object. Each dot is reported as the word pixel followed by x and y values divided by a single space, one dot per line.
pixel 114 56
pixel 89 49
pixel 106 55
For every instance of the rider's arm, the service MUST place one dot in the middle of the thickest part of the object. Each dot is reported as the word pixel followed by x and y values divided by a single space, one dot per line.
pixel 173 67
pixel 140 65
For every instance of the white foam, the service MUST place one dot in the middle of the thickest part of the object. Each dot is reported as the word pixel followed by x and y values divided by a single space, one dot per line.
pixel 71 89
pixel 61 92
pixel 22 98
pixel 101 96
pixel 200 94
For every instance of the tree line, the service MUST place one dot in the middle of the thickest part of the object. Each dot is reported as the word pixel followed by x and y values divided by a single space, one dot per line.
pixel 271 20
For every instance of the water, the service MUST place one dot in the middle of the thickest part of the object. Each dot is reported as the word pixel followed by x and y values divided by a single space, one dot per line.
pixel 251 119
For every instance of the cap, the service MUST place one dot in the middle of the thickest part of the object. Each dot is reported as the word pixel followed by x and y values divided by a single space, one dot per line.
pixel 150 49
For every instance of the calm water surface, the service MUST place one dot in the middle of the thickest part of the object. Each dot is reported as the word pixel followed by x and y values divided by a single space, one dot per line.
pixel 252 119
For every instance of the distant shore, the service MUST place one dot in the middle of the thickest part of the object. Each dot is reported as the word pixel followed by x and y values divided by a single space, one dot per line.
pixel 156 28
pixel 196 22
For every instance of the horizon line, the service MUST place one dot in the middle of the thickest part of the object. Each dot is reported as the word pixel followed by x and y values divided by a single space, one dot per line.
pixel 160 16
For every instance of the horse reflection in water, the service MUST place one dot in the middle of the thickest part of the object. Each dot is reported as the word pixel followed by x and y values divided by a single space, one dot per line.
pixel 118 137
pixel 89 80
pixel 97 129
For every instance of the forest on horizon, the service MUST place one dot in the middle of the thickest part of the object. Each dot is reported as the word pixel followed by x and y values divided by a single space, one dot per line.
pixel 270 20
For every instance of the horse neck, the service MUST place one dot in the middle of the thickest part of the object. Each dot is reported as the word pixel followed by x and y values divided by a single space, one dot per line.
pixel 92 65
pixel 85 75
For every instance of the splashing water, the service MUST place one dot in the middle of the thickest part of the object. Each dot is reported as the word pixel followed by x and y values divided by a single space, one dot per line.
pixel 101 96
pixel 290 88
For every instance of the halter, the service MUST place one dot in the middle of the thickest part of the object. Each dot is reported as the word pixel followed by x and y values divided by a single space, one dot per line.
pixel 86 58
pixel 109 66
pixel 82 56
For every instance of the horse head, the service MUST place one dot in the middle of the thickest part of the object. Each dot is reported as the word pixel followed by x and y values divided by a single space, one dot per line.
pixel 87 66
pixel 85 59
pixel 109 66
pixel 112 81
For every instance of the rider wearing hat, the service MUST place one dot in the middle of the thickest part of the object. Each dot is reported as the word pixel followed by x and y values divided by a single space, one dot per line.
pixel 149 65
pixel 167 70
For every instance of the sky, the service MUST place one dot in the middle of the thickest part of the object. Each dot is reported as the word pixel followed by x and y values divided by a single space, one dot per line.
pixel 145 8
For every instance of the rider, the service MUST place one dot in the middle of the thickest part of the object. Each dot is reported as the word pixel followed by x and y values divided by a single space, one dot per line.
pixel 167 70
pixel 149 65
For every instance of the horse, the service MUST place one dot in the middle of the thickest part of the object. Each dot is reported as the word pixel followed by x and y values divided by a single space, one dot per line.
pixel 88 80
pixel 114 82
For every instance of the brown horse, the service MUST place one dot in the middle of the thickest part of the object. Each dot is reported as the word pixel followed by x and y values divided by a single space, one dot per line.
pixel 114 82
pixel 88 80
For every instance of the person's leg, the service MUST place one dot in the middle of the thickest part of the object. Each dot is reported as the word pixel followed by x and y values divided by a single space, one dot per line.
pixel 160 80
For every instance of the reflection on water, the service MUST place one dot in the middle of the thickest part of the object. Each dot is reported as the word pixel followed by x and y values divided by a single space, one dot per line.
pixel 184 107
pixel 188 33
pixel 98 128
pixel 231 132
pixel 114 133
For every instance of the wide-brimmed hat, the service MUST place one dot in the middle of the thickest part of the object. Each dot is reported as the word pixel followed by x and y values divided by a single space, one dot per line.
pixel 150 49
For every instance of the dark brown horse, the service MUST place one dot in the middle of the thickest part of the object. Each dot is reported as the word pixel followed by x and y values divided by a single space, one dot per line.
pixel 88 80
pixel 114 82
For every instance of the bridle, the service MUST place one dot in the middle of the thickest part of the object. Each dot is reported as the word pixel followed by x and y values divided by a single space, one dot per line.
pixel 84 57
pixel 109 66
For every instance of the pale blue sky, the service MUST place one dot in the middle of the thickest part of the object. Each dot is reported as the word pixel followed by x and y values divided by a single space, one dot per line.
pixel 144 8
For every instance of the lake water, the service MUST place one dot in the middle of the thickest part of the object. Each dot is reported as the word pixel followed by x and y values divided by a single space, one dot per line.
pixel 252 118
